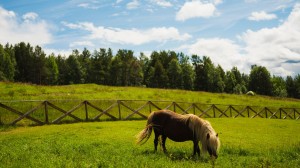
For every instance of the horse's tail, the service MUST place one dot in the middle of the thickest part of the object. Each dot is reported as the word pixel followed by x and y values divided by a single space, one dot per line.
pixel 143 136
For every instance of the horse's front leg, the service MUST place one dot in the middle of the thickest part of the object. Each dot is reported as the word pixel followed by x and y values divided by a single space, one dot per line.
pixel 196 148
pixel 164 138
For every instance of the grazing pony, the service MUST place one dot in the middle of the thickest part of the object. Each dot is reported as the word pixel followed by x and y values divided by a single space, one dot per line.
pixel 179 128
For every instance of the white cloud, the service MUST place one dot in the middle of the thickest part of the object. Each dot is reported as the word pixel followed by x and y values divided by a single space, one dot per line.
pixel 250 1
pixel 12 30
pixel 195 9
pixel 30 16
pixel 118 1
pixel 222 51
pixel 217 2
pixel 81 43
pixel 84 5
pixel 6 14
pixel 133 4
pixel 93 5
pixel 129 36
pixel 71 25
pixel 62 52
pixel 162 3
pixel 262 15
pixel 276 48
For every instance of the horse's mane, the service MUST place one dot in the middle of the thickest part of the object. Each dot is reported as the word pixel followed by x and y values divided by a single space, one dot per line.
pixel 201 128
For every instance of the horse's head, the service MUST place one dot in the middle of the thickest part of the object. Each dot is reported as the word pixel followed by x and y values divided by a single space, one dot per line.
pixel 213 144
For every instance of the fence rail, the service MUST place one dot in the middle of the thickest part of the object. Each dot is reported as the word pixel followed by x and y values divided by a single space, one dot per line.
pixel 49 112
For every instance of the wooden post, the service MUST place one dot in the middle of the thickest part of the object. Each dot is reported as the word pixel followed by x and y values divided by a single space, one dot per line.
pixel 119 107
pixel 150 110
pixel 280 113
pixel 174 107
pixel 214 111
pixel 46 112
pixel 86 111
pixel 194 108
pixel 230 111
pixel 248 111
pixel 266 109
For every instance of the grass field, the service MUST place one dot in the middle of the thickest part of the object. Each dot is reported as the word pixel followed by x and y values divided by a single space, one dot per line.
pixel 244 143
pixel 18 91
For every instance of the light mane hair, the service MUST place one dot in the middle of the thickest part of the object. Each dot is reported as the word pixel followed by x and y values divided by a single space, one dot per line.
pixel 201 128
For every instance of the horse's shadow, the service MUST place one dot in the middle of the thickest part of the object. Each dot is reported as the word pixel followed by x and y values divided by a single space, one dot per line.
pixel 177 156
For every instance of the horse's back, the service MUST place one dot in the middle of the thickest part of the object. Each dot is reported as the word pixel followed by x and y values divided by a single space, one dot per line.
pixel 174 126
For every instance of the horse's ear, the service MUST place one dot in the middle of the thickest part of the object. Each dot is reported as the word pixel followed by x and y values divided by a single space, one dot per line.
pixel 207 136
pixel 217 135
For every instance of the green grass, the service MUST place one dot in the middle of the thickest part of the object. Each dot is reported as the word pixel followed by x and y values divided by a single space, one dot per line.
pixel 18 91
pixel 244 143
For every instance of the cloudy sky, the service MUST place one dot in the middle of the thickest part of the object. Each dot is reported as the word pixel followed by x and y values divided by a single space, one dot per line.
pixel 232 33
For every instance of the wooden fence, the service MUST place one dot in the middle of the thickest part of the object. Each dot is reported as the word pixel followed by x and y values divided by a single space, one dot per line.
pixel 48 112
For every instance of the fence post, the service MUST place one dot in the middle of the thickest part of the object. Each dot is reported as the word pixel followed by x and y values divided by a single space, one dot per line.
pixel 194 108
pixel 266 109
pixel 280 113
pixel 119 107
pixel 174 106
pixel 150 110
pixel 86 111
pixel 248 111
pixel 214 111
pixel 46 112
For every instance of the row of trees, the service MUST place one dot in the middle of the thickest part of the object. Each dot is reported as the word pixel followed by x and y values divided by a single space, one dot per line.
pixel 165 69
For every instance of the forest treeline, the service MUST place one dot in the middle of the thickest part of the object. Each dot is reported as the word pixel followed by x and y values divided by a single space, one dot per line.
pixel 164 69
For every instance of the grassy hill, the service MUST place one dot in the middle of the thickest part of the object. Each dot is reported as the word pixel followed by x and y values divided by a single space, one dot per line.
pixel 19 91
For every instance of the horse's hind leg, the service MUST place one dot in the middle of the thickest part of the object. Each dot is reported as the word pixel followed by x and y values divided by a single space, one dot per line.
pixel 164 138
pixel 156 140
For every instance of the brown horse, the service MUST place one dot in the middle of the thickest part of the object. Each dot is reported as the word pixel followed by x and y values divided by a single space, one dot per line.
pixel 179 128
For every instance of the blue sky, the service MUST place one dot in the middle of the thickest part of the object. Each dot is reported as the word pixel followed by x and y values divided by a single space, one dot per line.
pixel 232 33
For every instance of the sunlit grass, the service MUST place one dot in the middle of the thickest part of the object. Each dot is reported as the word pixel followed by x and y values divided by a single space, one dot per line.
pixel 18 91
pixel 244 143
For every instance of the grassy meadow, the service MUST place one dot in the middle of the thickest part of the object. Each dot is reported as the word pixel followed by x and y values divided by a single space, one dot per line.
pixel 244 143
